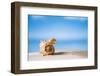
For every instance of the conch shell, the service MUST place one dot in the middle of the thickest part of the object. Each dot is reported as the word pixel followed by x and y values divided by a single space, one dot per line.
pixel 46 47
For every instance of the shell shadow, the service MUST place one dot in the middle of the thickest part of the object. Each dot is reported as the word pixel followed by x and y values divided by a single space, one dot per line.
pixel 60 53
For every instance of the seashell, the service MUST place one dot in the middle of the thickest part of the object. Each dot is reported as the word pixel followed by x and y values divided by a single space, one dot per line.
pixel 46 47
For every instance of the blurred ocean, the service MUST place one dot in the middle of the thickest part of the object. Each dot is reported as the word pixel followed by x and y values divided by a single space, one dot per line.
pixel 82 45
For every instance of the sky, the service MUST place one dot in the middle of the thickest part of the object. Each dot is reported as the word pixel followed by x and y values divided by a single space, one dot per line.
pixel 70 32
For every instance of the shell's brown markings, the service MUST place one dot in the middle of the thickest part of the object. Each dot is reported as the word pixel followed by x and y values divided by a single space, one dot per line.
pixel 50 49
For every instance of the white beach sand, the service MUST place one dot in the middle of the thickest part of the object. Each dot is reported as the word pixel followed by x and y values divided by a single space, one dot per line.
pixel 59 55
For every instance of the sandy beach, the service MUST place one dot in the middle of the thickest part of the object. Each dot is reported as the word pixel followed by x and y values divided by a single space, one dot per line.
pixel 58 55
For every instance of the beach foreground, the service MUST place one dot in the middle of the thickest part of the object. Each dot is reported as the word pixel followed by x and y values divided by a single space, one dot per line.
pixel 58 55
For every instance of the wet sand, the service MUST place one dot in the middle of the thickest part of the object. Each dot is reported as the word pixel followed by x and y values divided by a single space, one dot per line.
pixel 59 55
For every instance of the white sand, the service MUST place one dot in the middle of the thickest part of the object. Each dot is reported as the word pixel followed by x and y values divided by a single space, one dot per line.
pixel 59 55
